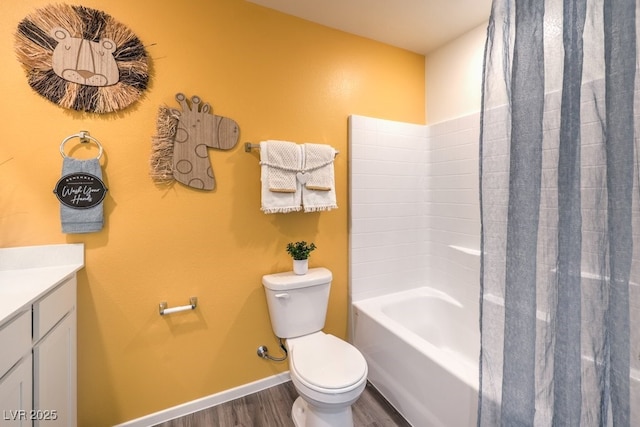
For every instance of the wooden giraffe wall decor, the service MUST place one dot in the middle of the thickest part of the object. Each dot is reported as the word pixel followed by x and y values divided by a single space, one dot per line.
pixel 180 150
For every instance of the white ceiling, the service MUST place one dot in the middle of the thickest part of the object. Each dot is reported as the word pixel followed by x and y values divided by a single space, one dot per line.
pixel 416 25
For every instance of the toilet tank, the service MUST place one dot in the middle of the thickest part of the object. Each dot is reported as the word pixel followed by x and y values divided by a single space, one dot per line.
pixel 297 303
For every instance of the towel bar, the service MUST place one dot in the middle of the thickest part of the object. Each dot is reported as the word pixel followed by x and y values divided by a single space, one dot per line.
pixel 163 308
pixel 249 146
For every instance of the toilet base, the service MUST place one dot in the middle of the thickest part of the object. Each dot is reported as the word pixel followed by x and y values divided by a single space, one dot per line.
pixel 306 415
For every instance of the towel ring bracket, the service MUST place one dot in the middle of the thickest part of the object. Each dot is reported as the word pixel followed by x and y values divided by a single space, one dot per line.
pixel 85 138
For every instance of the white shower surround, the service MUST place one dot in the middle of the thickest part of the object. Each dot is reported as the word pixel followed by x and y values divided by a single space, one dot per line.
pixel 414 223
pixel 414 207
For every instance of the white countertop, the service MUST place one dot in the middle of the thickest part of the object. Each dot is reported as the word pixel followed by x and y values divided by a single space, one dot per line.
pixel 29 272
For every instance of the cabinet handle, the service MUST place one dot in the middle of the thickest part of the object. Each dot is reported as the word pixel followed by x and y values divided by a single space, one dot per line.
pixel 164 309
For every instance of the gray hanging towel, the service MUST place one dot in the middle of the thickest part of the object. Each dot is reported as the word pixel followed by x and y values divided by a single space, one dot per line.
pixel 81 191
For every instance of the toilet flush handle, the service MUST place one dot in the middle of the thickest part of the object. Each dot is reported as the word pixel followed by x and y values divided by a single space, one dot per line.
pixel 283 295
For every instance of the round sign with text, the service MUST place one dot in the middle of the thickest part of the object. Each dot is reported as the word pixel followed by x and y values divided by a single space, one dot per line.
pixel 80 190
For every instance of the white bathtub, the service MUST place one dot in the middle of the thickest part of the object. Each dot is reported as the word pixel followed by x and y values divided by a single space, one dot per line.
pixel 422 349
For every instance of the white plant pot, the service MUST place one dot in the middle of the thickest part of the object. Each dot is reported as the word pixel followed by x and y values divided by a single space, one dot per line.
pixel 300 266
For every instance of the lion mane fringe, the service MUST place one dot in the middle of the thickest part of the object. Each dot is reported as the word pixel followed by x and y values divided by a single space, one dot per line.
pixel 34 49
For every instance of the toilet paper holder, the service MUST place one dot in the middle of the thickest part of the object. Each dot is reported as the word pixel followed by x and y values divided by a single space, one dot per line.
pixel 163 307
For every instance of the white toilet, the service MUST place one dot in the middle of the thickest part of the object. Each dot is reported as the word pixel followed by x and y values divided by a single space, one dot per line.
pixel 328 373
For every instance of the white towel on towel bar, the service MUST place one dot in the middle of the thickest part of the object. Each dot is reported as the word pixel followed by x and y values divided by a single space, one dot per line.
pixel 318 164
pixel 319 191
pixel 283 159
pixel 280 162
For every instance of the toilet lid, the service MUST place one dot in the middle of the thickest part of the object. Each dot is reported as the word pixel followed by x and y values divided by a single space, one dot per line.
pixel 328 362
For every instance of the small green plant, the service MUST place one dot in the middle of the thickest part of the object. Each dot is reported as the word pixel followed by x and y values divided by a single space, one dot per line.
pixel 300 250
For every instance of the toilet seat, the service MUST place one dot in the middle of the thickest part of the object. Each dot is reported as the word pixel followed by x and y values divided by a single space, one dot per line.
pixel 327 364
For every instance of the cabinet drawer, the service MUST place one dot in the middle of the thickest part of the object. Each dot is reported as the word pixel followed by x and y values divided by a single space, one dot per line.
pixel 16 336
pixel 52 307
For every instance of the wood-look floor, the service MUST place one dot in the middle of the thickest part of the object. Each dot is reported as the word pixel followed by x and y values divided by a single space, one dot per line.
pixel 272 408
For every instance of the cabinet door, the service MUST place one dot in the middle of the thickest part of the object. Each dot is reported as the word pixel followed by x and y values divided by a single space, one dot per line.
pixel 15 395
pixel 15 337
pixel 54 376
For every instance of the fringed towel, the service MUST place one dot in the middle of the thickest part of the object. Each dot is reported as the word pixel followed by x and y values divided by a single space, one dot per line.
pixel 283 160
pixel 319 192
pixel 280 162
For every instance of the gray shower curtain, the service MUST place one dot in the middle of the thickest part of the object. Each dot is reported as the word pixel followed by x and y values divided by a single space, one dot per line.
pixel 560 293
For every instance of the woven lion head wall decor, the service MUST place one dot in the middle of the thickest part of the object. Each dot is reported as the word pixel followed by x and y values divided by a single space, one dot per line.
pixel 82 59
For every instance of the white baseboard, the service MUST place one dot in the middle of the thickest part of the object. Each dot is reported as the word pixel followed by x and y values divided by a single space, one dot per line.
pixel 207 402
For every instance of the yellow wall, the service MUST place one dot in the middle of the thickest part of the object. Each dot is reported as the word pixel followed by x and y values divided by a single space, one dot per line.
pixel 280 78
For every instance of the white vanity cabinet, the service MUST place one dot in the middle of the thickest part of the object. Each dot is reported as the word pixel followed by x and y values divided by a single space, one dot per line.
pixel 16 371
pixel 54 357
pixel 38 380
